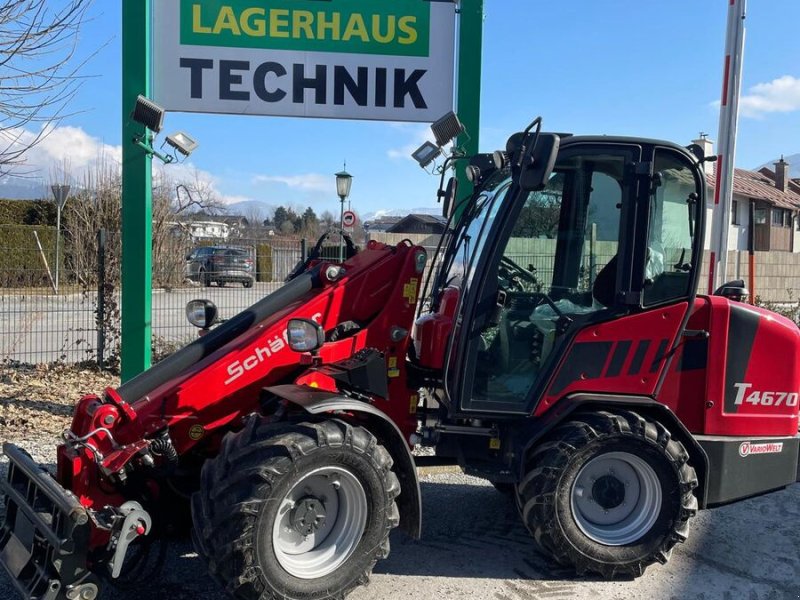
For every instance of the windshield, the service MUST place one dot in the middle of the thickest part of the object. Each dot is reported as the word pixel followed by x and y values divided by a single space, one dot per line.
pixel 466 241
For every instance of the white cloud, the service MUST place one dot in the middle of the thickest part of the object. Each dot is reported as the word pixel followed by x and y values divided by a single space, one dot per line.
pixel 58 149
pixel 781 95
pixel 310 182
pixel 70 153
pixel 419 135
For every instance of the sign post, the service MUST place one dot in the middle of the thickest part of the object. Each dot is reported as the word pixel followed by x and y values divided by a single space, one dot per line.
pixel 470 49
pixel 136 195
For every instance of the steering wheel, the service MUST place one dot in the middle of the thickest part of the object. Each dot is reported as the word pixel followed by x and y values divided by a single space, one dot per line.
pixel 513 273
pixel 350 250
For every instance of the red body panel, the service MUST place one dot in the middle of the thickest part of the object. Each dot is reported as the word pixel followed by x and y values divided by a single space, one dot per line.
pixel 752 352
pixel 624 356
pixel 736 372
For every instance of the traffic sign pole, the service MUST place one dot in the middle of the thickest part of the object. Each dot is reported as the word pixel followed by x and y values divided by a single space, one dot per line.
pixel 470 49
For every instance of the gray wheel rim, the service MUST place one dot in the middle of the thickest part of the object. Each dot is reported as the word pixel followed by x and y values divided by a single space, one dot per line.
pixel 616 498
pixel 321 552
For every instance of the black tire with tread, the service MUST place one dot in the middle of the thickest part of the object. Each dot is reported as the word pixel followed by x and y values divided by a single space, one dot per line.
pixel 552 467
pixel 235 506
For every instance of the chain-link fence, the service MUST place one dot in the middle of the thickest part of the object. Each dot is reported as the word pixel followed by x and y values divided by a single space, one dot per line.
pixel 71 313
pixel 48 298
pixel 65 305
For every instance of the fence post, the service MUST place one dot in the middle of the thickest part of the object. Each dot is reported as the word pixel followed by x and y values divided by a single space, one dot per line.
pixel 303 250
pixel 101 297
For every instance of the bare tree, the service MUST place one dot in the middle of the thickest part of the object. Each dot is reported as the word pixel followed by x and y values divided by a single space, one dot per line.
pixel 39 70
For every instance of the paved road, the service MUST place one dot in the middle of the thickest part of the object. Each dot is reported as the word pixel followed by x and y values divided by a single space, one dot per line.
pixel 474 547
pixel 44 328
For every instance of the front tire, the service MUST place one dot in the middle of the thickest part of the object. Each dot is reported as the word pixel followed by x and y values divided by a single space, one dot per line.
pixel 300 512
pixel 609 493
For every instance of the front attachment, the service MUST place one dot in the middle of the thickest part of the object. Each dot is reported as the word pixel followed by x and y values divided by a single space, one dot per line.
pixel 44 536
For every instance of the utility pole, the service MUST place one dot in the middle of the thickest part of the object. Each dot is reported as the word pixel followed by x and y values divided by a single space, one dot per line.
pixel 470 50
pixel 728 123
pixel 137 193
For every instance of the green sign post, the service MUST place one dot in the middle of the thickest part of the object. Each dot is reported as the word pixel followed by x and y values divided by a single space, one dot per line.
pixel 470 48
pixel 137 194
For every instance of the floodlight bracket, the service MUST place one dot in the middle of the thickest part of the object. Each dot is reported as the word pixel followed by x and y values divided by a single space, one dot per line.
pixel 146 143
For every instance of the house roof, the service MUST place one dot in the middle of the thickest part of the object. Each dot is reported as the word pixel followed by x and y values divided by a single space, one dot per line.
pixel 760 186
pixel 794 184
pixel 434 221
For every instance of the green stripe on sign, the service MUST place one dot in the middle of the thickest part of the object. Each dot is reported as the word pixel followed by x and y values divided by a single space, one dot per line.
pixel 389 27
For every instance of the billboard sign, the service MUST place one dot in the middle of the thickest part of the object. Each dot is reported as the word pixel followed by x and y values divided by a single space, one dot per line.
pixel 345 59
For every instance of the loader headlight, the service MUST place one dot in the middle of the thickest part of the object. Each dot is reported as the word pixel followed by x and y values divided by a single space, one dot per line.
pixel 201 313
pixel 305 335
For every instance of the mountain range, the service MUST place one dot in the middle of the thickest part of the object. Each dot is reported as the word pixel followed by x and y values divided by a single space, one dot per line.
pixel 794 164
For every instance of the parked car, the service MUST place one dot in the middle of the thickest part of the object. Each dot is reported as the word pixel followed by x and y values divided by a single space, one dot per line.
pixel 221 265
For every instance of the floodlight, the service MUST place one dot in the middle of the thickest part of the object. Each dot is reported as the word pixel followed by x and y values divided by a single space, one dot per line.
pixel 149 114
pixel 447 129
pixel 182 143
pixel 426 154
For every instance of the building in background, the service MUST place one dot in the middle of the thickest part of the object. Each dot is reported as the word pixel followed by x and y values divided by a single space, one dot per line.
pixel 776 198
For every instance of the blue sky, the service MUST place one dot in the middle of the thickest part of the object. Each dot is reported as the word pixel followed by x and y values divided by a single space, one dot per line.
pixel 626 67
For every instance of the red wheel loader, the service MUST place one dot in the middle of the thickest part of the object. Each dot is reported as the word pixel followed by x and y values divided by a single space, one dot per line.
pixel 559 351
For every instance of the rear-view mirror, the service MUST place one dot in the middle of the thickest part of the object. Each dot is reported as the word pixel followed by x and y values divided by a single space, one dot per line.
pixel 538 157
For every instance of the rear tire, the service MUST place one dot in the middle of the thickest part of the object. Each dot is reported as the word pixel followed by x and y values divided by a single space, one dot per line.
pixel 609 493
pixel 248 283
pixel 303 511
pixel 220 284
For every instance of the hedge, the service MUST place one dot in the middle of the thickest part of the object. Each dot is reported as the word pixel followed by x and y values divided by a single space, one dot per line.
pixel 264 263
pixel 27 212
pixel 20 261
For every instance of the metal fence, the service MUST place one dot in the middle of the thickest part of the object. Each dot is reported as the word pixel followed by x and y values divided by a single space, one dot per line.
pixel 68 308
pixel 72 314
pixel 48 302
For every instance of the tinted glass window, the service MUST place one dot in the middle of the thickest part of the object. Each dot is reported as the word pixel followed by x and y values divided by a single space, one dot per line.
pixel 672 225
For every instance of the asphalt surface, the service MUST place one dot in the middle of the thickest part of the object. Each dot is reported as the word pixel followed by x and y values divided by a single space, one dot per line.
pixel 474 546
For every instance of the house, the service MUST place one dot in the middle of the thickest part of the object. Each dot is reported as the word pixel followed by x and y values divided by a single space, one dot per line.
pixel 419 223
pixel 776 203
pixel 199 230
pixel 381 224
pixel 237 224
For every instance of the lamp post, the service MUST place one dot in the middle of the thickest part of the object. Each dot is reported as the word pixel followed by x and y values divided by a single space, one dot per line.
pixel 343 182
pixel 60 193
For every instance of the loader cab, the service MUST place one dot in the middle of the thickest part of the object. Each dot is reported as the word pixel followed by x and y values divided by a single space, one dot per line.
pixel 614 229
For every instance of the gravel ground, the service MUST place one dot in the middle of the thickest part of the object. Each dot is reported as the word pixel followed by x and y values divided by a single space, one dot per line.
pixel 473 544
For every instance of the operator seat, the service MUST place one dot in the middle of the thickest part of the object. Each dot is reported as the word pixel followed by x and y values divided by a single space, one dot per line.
pixel 605 283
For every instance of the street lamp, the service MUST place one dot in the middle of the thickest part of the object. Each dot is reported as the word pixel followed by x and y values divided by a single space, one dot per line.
pixel 60 193
pixel 343 182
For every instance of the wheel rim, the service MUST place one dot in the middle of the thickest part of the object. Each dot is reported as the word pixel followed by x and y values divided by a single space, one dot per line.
pixel 616 498
pixel 320 522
